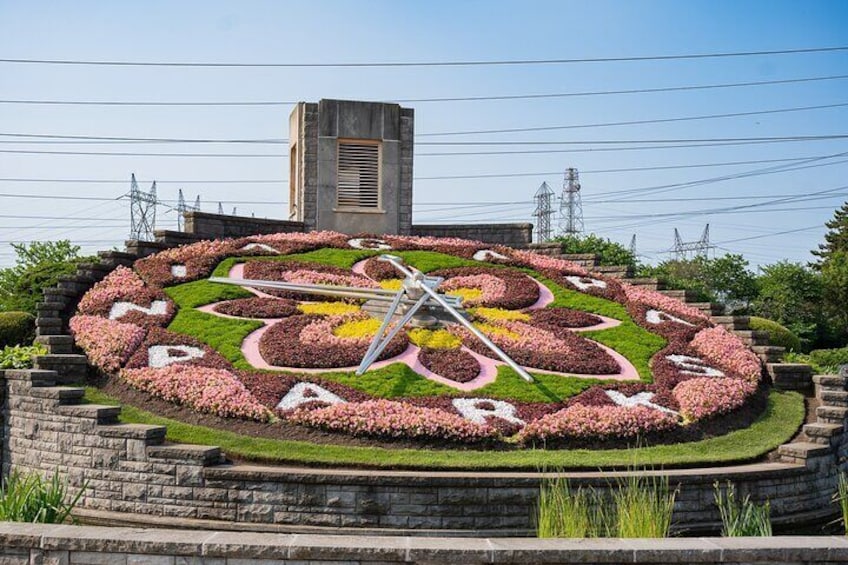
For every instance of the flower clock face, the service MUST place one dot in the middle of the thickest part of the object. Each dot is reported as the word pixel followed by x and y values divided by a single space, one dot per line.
pixel 610 362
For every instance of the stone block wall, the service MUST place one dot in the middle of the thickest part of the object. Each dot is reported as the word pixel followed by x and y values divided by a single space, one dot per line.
pixel 511 235
pixel 39 544
pixel 132 475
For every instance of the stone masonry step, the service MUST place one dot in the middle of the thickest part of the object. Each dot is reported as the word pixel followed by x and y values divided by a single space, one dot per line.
pixel 101 413
pixel 152 435
pixel 69 367
pixel 833 397
pixel 831 414
pixel 56 344
pixel 800 451
pixel 65 395
pixel 649 283
pixel 825 434
pixel 37 377
pixel 616 272
pixel 733 322
pixel 203 454
pixel 768 353
pixel 708 308
pixel 790 376
pixel 684 295
pixel 830 382
pixel 753 337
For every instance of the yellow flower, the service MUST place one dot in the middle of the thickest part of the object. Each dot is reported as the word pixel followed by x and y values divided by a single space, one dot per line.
pixel 391 284
pixel 491 330
pixel 358 328
pixel 430 339
pixel 466 293
pixel 327 308
pixel 497 314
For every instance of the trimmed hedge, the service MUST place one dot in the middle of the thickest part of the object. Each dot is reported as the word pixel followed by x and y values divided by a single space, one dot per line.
pixel 778 334
pixel 16 328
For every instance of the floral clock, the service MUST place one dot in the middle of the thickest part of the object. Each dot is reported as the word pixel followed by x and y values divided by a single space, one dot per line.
pixel 609 361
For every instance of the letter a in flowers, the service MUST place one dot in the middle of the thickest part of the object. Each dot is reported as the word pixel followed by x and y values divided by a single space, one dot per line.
pixel 163 355
pixel 302 393
pixel 477 410
pixel 658 317
pixel 693 366
pixel 585 283
pixel 120 309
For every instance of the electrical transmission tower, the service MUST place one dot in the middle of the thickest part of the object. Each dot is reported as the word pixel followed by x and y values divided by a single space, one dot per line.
pixel 182 208
pixel 544 198
pixel 633 246
pixel 684 250
pixel 142 212
pixel 570 206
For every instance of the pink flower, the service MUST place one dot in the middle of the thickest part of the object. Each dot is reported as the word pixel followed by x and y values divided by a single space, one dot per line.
pixel 704 397
pixel 601 422
pixel 391 419
pixel 662 302
pixel 214 391
pixel 726 351
pixel 107 343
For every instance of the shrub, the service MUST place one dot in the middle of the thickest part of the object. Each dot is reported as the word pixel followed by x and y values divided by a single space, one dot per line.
pixel 830 358
pixel 19 356
pixel 564 512
pixel 16 328
pixel 32 498
pixel 778 335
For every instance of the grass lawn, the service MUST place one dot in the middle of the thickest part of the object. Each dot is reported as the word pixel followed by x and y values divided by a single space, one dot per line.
pixel 781 419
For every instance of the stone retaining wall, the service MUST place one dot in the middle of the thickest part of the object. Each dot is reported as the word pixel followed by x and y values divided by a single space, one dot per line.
pixel 512 235
pixel 31 544
pixel 129 469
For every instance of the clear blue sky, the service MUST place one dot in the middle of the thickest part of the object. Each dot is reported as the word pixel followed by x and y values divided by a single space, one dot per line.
pixel 384 31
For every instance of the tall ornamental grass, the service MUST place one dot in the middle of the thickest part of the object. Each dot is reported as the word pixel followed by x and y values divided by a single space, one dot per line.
pixel 841 498
pixel 741 518
pixel 33 498
pixel 637 506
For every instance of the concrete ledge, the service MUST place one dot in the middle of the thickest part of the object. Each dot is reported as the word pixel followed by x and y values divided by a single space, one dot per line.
pixel 92 544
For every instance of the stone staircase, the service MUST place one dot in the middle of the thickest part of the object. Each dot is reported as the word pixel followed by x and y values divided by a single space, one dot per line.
pixel 68 401
pixel 826 434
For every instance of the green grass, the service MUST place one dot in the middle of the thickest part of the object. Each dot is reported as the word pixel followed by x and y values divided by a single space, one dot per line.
pixel 222 334
pixel 781 419
pixel 203 292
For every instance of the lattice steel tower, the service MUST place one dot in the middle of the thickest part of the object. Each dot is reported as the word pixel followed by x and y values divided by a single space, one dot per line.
pixel 544 198
pixel 570 207
pixel 182 208
pixel 684 250
pixel 142 212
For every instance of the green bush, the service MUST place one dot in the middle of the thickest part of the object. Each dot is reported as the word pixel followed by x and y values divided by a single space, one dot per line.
pixel 16 328
pixel 830 358
pixel 778 334
pixel 20 356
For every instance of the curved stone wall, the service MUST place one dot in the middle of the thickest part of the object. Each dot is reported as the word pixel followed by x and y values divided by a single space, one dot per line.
pixel 129 469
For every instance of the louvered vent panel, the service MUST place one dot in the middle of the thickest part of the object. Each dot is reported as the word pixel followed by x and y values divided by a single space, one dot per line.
pixel 359 175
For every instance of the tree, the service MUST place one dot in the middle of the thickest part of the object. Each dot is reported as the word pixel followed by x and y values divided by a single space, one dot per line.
pixel 608 251
pixel 38 265
pixel 724 279
pixel 792 295
pixel 834 274
pixel 836 238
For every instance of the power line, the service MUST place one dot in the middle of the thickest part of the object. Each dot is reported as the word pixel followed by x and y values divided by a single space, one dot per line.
pixel 636 141
pixel 467 63
pixel 635 122
pixel 436 99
